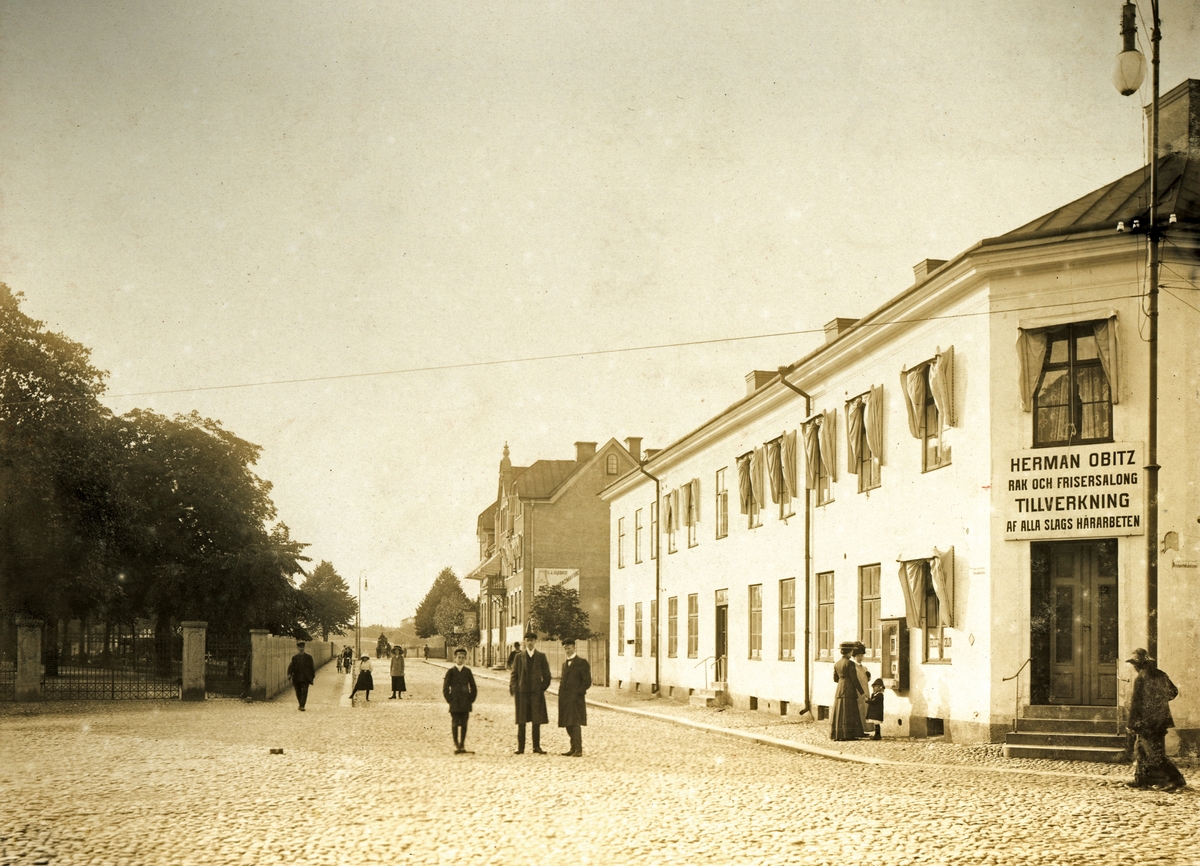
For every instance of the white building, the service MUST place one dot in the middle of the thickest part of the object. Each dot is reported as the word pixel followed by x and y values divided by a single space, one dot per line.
pixel 961 486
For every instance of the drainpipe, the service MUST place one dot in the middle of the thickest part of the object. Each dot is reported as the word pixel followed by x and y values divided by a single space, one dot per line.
pixel 783 374
pixel 657 572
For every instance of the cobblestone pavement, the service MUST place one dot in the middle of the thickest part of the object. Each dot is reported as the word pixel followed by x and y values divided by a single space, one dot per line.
pixel 173 783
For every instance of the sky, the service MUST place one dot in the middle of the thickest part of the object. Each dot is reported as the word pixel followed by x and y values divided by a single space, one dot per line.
pixel 381 240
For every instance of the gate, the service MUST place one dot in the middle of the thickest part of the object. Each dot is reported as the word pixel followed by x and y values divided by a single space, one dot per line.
pixel 110 661
pixel 227 665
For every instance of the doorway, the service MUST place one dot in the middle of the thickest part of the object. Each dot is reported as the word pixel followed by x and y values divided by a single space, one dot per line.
pixel 722 635
pixel 1074 623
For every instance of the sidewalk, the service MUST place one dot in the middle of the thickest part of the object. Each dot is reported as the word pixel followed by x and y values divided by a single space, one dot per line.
pixel 803 734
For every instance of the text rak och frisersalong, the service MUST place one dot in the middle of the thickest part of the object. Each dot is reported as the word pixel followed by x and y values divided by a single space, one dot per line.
pixel 1105 480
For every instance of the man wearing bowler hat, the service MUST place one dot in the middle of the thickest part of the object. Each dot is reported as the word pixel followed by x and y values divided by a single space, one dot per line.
pixel 576 679
pixel 1149 718
pixel 527 684
pixel 302 672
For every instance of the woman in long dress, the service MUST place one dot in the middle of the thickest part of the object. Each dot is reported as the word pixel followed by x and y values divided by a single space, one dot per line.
pixel 846 718
pixel 864 680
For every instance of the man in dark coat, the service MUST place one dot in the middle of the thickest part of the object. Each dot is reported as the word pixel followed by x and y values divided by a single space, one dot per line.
pixel 576 679
pixel 527 684
pixel 1149 718
pixel 302 672
pixel 458 688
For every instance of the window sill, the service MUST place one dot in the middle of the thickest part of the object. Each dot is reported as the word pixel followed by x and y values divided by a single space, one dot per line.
pixel 937 661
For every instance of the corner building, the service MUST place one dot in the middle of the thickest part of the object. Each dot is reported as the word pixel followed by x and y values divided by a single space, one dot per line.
pixel 957 480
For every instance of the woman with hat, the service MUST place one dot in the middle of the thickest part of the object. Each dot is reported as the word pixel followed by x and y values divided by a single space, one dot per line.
pixel 1149 718
pixel 846 718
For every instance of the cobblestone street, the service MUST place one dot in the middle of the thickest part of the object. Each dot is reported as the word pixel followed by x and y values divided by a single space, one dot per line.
pixel 175 783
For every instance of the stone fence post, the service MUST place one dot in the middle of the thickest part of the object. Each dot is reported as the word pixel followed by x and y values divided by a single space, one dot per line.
pixel 194 633
pixel 29 659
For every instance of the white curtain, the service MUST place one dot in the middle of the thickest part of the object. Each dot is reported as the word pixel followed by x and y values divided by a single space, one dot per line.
pixel 758 481
pixel 775 471
pixel 745 493
pixel 829 443
pixel 812 452
pixel 1031 350
pixel 854 434
pixel 874 423
pixel 941 573
pixel 788 459
pixel 941 385
pixel 694 502
pixel 912 584
pixel 912 383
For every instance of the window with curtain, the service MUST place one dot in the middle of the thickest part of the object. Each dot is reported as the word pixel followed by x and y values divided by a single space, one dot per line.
pixel 654 530
pixel 819 455
pixel 722 505
pixel 691 492
pixel 1072 402
pixel 670 513
pixel 928 587
pixel 756 621
pixel 929 397
pixel 620 542
pixel 864 438
pixel 825 616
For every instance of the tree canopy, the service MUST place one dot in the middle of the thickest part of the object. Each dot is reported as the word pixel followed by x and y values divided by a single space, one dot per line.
pixel 555 612
pixel 445 586
pixel 331 606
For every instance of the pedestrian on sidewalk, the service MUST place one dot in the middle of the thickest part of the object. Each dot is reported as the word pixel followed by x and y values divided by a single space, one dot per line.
pixel 875 708
pixel 1149 718
pixel 527 684
pixel 573 684
pixel 512 656
pixel 864 681
pixel 301 672
pixel 365 681
pixel 458 688
pixel 397 671
pixel 348 659
pixel 846 719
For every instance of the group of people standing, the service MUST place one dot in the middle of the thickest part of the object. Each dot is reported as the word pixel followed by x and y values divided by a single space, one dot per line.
pixel 366 680
pixel 858 702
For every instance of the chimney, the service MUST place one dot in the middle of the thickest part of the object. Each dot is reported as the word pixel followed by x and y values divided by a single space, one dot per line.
pixel 584 451
pixel 755 379
pixel 925 267
pixel 836 327
pixel 1178 120
pixel 633 444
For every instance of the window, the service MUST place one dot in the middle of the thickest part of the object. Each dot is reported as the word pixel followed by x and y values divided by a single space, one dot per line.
pixel 620 629
pixel 756 621
pixel 1073 402
pixel 787 619
pixel 819 455
pixel 937 638
pixel 654 530
pixel 654 629
pixel 933 454
pixel 692 510
pixel 620 542
pixel 929 398
pixel 824 487
pixel 825 616
pixel 868 610
pixel 610 465
pixel 864 437
pixel 777 475
pixel 671 518
pixel 672 626
pixel 637 629
pixel 693 625
pixel 722 509
pixel 637 535
pixel 751 478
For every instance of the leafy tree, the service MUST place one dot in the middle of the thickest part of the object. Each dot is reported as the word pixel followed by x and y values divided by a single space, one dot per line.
pixel 57 517
pixel 555 612
pixel 450 621
pixel 331 606
pixel 445 585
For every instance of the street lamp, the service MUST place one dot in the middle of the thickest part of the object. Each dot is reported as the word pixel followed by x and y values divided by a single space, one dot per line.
pixel 1128 75
pixel 358 618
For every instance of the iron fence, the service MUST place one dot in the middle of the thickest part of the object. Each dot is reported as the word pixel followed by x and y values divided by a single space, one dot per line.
pixel 227 665
pixel 110 661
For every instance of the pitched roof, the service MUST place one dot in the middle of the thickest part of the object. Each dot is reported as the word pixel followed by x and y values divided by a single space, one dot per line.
pixel 1125 200
pixel 541 479
pixel 487 517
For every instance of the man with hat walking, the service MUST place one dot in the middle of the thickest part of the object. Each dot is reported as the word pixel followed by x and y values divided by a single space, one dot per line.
pixel 576 679
pixel 1149 718
pixel 527 684
pixel 302 672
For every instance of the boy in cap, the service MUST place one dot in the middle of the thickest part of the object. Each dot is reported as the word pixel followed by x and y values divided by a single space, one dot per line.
pixel 576 679
pixel 458 688
pixel 302 672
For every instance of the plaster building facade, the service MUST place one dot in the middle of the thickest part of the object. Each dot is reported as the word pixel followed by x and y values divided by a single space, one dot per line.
pixel 548 525
pixel 957 480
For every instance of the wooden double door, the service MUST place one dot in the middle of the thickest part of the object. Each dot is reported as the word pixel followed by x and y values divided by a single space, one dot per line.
pixel 1075 622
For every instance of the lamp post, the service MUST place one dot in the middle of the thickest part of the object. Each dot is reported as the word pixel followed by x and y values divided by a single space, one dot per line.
pixel 1130 70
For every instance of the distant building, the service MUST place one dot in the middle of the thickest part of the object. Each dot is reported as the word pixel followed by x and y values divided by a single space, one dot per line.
pixel 959 484
pixel 548 525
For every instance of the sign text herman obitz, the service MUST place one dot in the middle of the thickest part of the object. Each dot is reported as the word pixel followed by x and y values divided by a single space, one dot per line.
pixel 1078 492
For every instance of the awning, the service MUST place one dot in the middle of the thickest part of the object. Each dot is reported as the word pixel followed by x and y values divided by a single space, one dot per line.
pixel 490 567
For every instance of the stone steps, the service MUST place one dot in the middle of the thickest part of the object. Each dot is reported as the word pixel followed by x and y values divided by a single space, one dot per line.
pixel 1068 733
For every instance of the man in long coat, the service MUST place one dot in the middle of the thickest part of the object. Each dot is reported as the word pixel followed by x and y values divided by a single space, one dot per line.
pixel 527 684
pixel 1149 718
pixel 302 672
pixel 459 690
pixel 576 679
